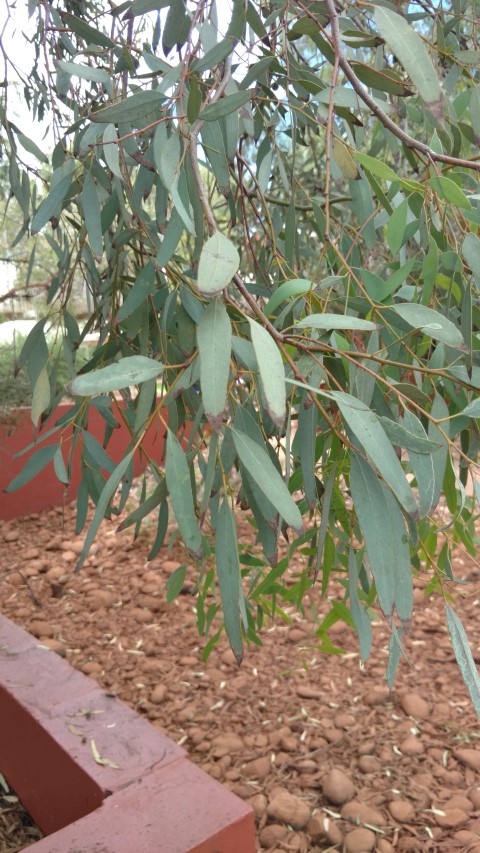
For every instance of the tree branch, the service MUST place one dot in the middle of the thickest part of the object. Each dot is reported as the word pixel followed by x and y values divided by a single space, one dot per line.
pixel 387 122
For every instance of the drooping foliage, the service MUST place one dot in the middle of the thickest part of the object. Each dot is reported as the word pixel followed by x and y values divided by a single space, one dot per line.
pixel 275 216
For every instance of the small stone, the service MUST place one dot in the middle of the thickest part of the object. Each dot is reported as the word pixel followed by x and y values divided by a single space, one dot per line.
pixel 458 801
pixel 468 757
pixel 337 787
pixel 11 535
pixel 378 695
pixel 290 809
pixel 55 646
pixel 369 764
pixel 259 804
pixel 306 692
pixel 259 768
pixel 359 840
pixel 158 694
pixel 271 834
pixel 344 721
pixel 412 746
pixel 91 667
pixel 321 828
pixel 384 846
pixel 69 556
pixel 415 706
pixel 450 818
pixel 359 812
pixel 30 554
pixel 474 796
pixel 225 744
pixel 41 629
pixel 401 810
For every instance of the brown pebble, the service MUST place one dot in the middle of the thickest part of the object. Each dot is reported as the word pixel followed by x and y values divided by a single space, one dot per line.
pixel 290 809
pixel 337 787
pixel 158 694
pixel 69 556
pixel 30 554
pixel 259 804
pixel 271 834
pixel 450 818
pixel 378 695
pixel 412 746
pixel 468 757
pixel 458 801
pixel 91 667
pixel 384 846
pixel 11 535
pixel 306 692
pixel 321 828
pixel 474 796
pixel 259 768
pixel 369 764
pixel 41 629
pixel 359 840
pixel 401 810
pixel 225 744
pixel 54 646
pixel 359 812
pixel 415 706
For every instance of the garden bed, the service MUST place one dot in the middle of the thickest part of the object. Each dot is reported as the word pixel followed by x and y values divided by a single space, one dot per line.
pixel 409 760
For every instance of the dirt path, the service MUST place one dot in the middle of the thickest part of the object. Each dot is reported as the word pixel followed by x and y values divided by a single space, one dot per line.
pixel 324 752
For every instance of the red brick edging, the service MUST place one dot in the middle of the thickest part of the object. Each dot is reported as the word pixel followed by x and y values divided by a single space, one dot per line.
pixel 57 724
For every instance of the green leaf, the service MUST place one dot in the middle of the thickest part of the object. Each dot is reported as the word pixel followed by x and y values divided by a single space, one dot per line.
pixel 111 152
pixel 179 484
pixel 141 290
pixel 225 106
pixel 213 57
pixel 167 158
pixel 87 72
pixel 403 437
pixel 97 452
pixel 37 462
pixel 472 410
pixel 91 212
pixel 214 339
pixel 229 577
pixel 464 657
pixel 363 624
pixel 105 497
pixel 343 322
pixel 396 227
pixel 41 396
pixel 30 146
pixel 51 205
pixel 344 160
pixel 368 430
pixel 409 48
pixel 142 7
pixel 218 263
pixel 92 35
pixel 438 411
pixel 386 539
pixel 131 109
pixel 292 287
pixel 471 253
pixel 261 469
pixel 422 464
pixel 128 371
pixel 272 373
pixel 60 468
pixel 213 143
pixel 382 170
pixel 431 322
pixel 448 191
pixel 175 583
pixel 307 433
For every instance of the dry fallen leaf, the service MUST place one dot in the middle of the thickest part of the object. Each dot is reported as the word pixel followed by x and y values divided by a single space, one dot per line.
pixel 98 758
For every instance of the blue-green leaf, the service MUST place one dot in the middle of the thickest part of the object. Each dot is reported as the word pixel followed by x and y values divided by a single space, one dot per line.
pixel 128 371
pixel 37 462
pixel 229 577
pixel 464 657
pixel 272 373
pixel 179 484
pixel 214 339
pixel 218 264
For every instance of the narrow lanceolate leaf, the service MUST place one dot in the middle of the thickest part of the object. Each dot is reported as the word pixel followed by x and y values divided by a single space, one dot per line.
pixel 438 411
pixel 422 465
pixel 464 657
pixel 128 371
pixel 41 396
pixel 225 106
pixel 91 212
pixel 272 373
pixel 110 151
pixel 341 322
pixel 133 108
pixel 366 427
pixel 229 577
pixel 292 287
pixel 179 484
pixel 60 467
pixel 363 625
pixel 471 253
pixel 37 462
pixel 169 160
pixel 214 339
pixel 262 470
pixel 144 285
pixel 106 495
pixel 87 72
pixel 307 433
pixel 218 264
pixel 409 48
pixel 411 439
pixel 386 541
pixel 472 410
pixel 430 322
pixel 52 204
pixel 344 159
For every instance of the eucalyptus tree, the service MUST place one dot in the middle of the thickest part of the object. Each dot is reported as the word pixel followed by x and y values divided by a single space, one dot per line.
pixel 275 217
